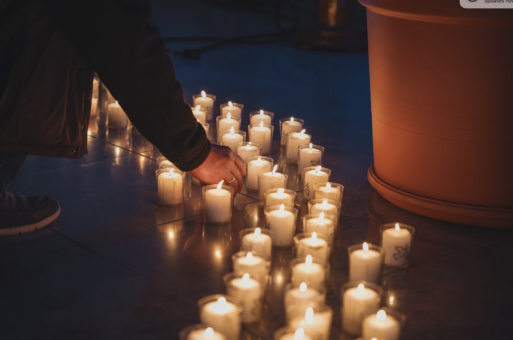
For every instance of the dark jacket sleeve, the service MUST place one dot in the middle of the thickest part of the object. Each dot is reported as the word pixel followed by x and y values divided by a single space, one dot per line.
pixel 126 50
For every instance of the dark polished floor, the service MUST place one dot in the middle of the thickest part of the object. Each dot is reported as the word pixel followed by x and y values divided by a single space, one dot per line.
pixel 108 269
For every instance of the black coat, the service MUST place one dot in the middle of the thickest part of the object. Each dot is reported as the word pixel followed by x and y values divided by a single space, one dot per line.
pixel 48 52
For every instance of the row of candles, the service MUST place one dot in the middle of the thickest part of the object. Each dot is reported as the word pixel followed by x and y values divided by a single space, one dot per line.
pixel 307 315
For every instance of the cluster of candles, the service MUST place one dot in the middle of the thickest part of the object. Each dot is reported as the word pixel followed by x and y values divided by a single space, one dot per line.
pixel 307 315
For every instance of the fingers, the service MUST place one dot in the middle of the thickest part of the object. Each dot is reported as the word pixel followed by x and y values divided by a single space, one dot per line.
pixel 238 176
pixel 239 162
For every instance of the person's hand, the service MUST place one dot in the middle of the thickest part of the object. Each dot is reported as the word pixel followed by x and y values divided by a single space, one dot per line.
pixel 221 164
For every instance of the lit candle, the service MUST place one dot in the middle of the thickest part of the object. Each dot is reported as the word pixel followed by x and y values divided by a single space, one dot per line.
pixel 329 191
pixel 224 316
pixel 256 266
pixel 315 247
pixel 313 176
pixel 322 224
pixel 270 180
pixel 199 115
pixel 285 334
pixel 249 293
pixel 312 273
pixel 317 324
pixel 245 150
pixel 232 139
pixel 164 163
pixel 234 110
pixel 218 204
pixel 262 116
pixel 258 242
pixel 116 117
pixel 287 126
pixel 94 106
pixel 283 223
pixel 309 156
pixel 294 140
pixel 325 207
pixel 170 187
pixel 365 264
pixel 302 295
pixel 397 244
pixel 256 167
pixel 96 87
pixel 205 334
pixel 380 326
pixel 261 134
pixel 356 301
pixel 278 197
pixel 225 123
pixel 206 102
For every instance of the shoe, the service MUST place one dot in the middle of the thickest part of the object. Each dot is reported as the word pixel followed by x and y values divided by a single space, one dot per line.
pixel 22 214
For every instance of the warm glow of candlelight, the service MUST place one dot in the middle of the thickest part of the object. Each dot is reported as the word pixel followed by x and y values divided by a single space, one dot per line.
pixel 310 146
pixel 278 278
pixel 325 204
pixel 171 171
pixel 229 115
pixel 381 315
pixel 257 232
pixel 302 287
pixel 221 303
pixel 232 130
pixel 209 332
pixel 300 333
pixel 308 260
pixel 314 236
pixel 291 119
pixel 218 254
pixel 328 187
pixel 365 246
pixel 245 278
pixel 249 257
pixel 262 125
pixel 261 112
pixel 220 185
pixel 274 169
pixel 282 208
pixel 203 94
pixel 301 134
pixel 230 104
pixel 198 108
pixel 259 162
pixel 309 315
pixel 171 234
pixel 361 289
pixel 397 228
pixel 281 191
pixel 321 217
pixel 318 169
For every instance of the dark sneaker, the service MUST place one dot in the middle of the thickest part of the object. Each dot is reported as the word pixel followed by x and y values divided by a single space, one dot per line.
pixel 22 214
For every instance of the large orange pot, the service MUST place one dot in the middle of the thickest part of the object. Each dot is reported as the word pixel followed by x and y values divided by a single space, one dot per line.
pixel 442 109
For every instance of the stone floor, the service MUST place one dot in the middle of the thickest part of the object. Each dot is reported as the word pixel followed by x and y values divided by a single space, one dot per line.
pixel 108 269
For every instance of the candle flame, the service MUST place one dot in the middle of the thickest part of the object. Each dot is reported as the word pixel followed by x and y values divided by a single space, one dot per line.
pixel 171 171
pixel 309 315
pixel 261 112
pixel 221 302
pixel 198 108
pixel 259 162
pixel 365 246
pixel 229 115
pixel 171 234
pixel 397 227
pixel 291 119
pixel 274 169
pixel 209 332
pixel 391 300
pixel 198 120
pixel 203 94
pixel 249 257
pixel 302 133
pixel 218 254
pixel 261 124
pixel 310 146
pixel 318 169
pixel 245 278
pixel 257 231
pixel 230 104
pixel 325 204
pixel 117 102
pixel 361 289
pixel 278 278
pixel 282 208
pixel 303 287
pixel 281 191
pixel 381 315
pixel 314 236
pixel 321 217
pixel 308 260
pixel 328 187
pixel 220 185
pixel 232 130
pixel 300 333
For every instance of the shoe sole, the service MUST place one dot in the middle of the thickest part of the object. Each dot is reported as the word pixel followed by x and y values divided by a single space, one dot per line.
pixel 31 227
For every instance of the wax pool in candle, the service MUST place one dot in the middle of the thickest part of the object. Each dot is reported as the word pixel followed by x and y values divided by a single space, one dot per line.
pixel 227 123
pixel 261 134
pixel 232 139
pixel 312 177
pixel 206 103
pixel 329 192
pixel 249 293
pixel 324 207
pixel 321 225
pixel 380 326
pixel 254 168
pixel 296 139
pixel 223 316
pixel 289 126
pixel 248 150
pixel 397 243
pixel 207 334
pixel 199 115
pixel 365 265
pixel 303 294
pixel 235 111
pixel 170 188
pixel 283 223
pixel 116 116
pixel 255 266
pixel 355 302
pixel 278 198
pixel 261 243
pixel 309 157
pixel 262 117
pixel 317 324
pixel 313 274
pixel 218 203
pixel 299 334
pixel 314 246
pixel 270 180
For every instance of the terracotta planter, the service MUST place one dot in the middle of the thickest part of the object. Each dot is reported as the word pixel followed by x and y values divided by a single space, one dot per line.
pixel 442 109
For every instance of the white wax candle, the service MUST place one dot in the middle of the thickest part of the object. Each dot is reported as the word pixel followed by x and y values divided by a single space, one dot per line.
pixel 298 335
pixel 227 123
pixel 325 207
pixel 269 180
pixel 261 134
pixel 232 139
pixel 314 246
pixel 235 111
pixel 116 116
pixel 355 302
pixel 206 104
pixel 312 177
pixel 321 225
pixel 365 265
pixel 279 198
pixel 223 316
pixel 255 266
pixel 170 188
pixel 303 294
pixel 397 243
pixel 94 106
pixel 249 293
pixel 208 334
pixel 246 151
pixel 308 157
pixel 329 192
pixel 258 242
pixel 296 139
pixel 313 274
pixel 380 326
pixel 218 205
pixel 254 168
pixel 199 115
pixel 317 324
pixel 283 224
pixel 262 117
pixel 289 126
